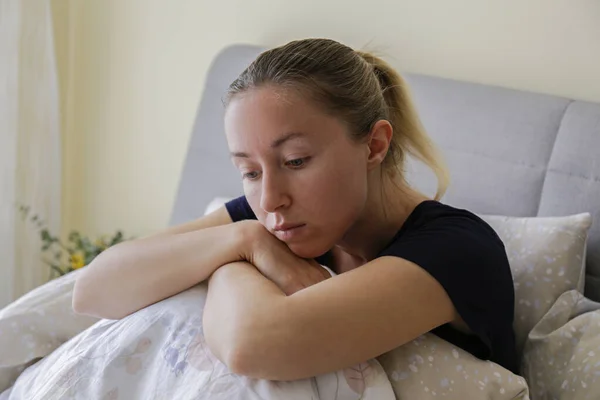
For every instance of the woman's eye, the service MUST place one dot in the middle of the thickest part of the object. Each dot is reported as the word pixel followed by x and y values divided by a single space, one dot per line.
pixel 251 175
pixel 298 162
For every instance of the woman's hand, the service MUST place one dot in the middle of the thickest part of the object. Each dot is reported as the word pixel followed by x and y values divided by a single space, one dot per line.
pixel 274 259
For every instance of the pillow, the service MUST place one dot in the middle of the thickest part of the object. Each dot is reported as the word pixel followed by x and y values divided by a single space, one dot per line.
pixel 160 352
pixel 162 347
pixel 215 204
pixel 547 258
pixel 561 359
pixel 36 324
pixel 431 368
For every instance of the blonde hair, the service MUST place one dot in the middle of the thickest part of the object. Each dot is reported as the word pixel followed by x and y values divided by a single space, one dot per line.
pixel 355 86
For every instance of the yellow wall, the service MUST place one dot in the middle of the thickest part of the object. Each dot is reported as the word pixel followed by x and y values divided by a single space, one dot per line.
pixel 132 72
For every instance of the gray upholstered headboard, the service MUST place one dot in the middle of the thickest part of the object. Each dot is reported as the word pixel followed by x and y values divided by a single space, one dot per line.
pixel 509 152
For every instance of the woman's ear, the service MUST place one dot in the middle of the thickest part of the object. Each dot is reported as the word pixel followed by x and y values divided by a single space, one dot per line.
pixel 379 141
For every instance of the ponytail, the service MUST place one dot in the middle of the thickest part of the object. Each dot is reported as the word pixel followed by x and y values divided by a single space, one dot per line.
pixel 409 134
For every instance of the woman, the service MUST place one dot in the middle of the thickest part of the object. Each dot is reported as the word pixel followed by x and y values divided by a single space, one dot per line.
pixel 319 133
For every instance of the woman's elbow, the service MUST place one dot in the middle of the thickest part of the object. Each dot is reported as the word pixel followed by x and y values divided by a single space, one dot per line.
pixel 86 301
pixel 239 360
pixel 235 362
pixel 225 339
pixel 83 300
pixel 248 363
pixel 79 302
pixel 88 305
pixel 90 295
pixel 246 359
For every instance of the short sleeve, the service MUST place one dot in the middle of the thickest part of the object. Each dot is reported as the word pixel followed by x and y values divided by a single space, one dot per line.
pixel 468 259
pixel 239 209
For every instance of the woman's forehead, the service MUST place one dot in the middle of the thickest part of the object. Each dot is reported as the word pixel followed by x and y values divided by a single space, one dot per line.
pixel 267 116
pixel 276 105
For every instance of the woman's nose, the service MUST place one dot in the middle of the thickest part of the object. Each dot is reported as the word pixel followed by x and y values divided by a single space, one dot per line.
pixel 273 194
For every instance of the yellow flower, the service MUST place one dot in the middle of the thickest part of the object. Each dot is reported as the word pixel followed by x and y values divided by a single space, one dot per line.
pixel 77 261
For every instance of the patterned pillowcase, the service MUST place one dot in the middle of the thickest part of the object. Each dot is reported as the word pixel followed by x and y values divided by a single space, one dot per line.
pixel 547 259
pixel 161 350
pixel 36 324
pixel 561 359
pixel 430 368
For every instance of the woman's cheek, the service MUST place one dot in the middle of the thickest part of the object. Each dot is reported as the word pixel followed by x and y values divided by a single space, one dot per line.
pixel 252 193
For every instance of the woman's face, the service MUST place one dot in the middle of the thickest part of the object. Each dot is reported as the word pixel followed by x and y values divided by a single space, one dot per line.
pixel 303 176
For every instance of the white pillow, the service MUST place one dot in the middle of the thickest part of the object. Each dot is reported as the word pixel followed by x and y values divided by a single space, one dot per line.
pixel 561 356
pixel 36 324
pixel 547 258
pixel 430 368
pixel 216 203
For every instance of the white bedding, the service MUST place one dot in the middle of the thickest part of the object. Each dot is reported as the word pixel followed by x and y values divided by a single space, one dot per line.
pixel 159 353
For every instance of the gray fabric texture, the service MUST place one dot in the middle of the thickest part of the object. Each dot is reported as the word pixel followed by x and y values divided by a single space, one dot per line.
pixel 509 152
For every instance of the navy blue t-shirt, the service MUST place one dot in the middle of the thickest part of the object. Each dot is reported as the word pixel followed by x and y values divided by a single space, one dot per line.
pixel 466 256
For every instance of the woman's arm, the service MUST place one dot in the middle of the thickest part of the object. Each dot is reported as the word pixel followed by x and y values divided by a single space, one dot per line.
pixel 137 273
pixel 226 325
pixel 259 332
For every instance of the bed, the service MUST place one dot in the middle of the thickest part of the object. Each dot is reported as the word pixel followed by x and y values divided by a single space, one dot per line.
pixel 525 162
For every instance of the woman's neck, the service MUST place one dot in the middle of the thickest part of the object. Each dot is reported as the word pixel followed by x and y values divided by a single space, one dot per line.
pixel 385 213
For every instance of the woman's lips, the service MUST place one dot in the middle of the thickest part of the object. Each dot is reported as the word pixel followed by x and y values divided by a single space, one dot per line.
pixel 289 233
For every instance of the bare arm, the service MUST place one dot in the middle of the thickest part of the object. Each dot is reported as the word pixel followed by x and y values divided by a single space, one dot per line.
pixel 137 273
pixel 259 332
pixel 225 326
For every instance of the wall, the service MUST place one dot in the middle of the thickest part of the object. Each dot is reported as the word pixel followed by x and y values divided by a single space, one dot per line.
pixel 133 73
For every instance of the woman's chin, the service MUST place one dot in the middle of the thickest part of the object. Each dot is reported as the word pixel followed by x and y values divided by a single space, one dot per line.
pixel 304 251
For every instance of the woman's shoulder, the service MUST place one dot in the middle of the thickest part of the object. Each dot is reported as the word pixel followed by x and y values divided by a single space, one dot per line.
pixel 441 217
pixel 430 210
pixel 436 235
pixel 239 209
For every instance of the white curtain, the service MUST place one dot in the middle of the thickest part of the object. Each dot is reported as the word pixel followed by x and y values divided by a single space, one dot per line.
pixel 30 144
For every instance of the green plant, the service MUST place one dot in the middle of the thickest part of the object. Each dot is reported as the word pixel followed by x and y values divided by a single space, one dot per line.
pixel 66 256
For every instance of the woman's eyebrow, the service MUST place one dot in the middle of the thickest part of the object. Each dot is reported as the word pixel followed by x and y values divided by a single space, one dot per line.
pixel 276 143
pixel 288 136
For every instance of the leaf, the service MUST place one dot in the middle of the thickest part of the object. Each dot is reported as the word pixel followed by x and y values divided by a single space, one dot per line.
pixel 117 238
pixel 58 270
pixel 45 235
pixel 356 377
pixel 74 236
pixel 86 245
pixel 88 259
